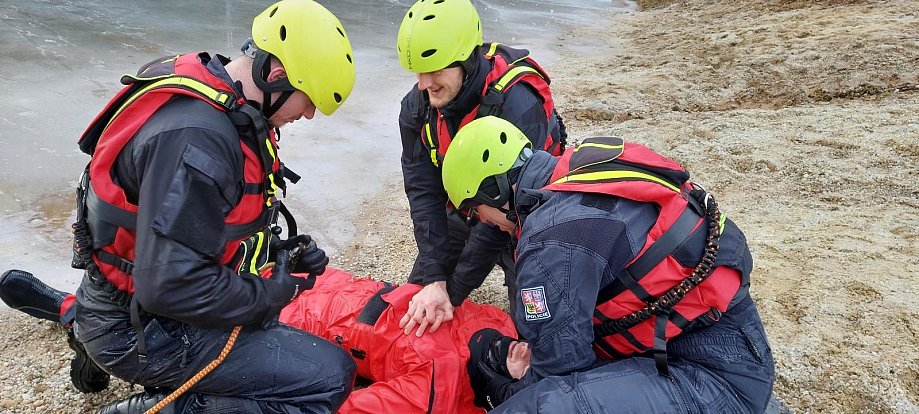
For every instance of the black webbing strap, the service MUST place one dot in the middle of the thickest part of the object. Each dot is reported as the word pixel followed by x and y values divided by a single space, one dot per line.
pixel 139 331
pixel 289 174
pixel 660 341
pixel 253 188
pixel 678 232
pixel 491 103
pixel 98 207
pixel 121 263
pixel 288 219
pixel 375 305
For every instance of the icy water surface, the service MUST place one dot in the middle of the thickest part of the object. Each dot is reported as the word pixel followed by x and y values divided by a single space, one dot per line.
pixel 60 62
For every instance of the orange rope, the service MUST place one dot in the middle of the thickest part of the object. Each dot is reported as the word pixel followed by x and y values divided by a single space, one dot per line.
pixel 206 370
pixel 197 377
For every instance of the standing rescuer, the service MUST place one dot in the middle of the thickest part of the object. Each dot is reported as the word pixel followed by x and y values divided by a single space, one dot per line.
pixel 460 78
pixel 178 213
pixel 633 288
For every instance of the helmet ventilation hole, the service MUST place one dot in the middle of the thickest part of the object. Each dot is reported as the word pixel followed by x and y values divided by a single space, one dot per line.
pixel 337 97
pixel 503 138
pixel 341 32
pixel 283 33
pixel 409 14
pixel 438 1
pixel 348 57
pixel 485 156
pixel 428 17
pixel 273 11
pixel 428 53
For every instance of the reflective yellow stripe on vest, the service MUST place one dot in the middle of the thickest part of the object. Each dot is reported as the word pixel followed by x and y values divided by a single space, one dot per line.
pixel 492 50
pixel 512 74
pixel 274 187
pixel 188 84
pixel 615 175
pixel 598 145
pixel 427 136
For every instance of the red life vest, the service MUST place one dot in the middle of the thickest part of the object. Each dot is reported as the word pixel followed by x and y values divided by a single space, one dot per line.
pixel 509 66
pixel 670 254
pixel 112 218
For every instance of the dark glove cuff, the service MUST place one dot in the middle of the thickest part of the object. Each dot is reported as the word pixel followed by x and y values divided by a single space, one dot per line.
pixel 457 294
pixel 428 279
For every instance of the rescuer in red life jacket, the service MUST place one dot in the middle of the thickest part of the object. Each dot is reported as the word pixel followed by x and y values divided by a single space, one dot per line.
pixel 408 374
pixel 633 288
pixel 460 78
pixel 177 211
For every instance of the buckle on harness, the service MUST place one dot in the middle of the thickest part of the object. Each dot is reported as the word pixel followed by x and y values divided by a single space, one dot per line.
pixel 126 266
pixel 493 97
pixel 123 265
pixel 708 196
pixel 491 102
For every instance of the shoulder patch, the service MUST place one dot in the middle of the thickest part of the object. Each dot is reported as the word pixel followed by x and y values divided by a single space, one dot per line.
pixel 534 303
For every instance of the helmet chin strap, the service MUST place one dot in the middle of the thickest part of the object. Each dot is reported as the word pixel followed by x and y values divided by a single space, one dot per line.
pixel 261 67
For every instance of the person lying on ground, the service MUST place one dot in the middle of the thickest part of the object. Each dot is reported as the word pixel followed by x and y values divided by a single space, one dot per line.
pixel 407 374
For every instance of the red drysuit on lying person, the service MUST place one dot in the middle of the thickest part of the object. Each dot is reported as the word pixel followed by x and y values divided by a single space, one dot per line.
pixel 409 374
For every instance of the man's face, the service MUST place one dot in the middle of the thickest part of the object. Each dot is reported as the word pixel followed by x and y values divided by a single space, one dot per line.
pixel 297 106
pixel 442 86
pixel 493 216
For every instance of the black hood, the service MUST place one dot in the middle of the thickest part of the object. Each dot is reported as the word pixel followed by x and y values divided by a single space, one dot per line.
pixel 534 175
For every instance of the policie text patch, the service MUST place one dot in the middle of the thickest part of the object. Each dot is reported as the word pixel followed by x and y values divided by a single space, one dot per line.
pixel 534 303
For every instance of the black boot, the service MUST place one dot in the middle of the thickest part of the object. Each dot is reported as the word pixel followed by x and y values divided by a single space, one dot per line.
pixel 138 403
pixel 23 291
pixel 85 375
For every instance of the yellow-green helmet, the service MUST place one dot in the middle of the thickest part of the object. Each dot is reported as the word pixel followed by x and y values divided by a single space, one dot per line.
pixel 437 33
pixel 486 147
pixel 312 45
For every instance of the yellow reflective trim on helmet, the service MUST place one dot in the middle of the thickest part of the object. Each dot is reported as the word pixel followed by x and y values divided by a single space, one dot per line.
pixel 615 175
pixel 427 136
pixel 598 145
pixel 511 74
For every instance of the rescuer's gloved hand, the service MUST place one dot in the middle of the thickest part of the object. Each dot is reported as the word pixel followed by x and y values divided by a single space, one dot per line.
pixel 310 258
pixel 289 286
